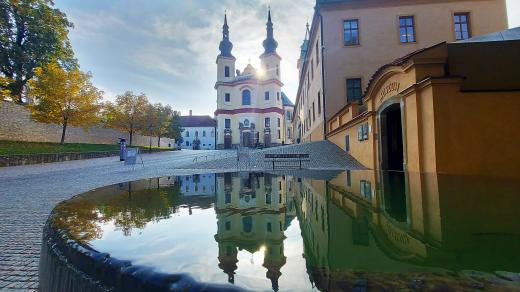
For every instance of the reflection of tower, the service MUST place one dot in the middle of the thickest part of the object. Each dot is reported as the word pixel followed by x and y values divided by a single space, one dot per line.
pixel 251 215
pixel 227 257
pixel 274 260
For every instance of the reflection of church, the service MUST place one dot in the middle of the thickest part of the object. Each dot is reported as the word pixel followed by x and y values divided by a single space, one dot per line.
pixel 252 216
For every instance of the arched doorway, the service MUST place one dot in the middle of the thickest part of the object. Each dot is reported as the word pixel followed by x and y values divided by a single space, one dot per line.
pixel 391 137
pixel 227 141
pixel 246 139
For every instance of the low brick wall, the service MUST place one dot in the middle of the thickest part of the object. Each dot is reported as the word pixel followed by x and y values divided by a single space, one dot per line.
pixel 16 124
pixel 14 160
pixel 27 159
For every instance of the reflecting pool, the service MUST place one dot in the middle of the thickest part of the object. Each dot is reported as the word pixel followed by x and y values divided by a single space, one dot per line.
pixel 306 231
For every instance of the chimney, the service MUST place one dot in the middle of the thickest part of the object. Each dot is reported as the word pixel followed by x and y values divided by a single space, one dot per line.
pixel 191 113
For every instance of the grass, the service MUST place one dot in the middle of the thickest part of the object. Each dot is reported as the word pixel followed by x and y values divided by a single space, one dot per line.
pixel 22 147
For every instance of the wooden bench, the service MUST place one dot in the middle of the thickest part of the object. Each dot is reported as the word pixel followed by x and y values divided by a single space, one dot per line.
pixel 288 160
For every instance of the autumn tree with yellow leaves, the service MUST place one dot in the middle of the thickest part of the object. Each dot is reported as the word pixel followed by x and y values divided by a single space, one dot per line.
pixel 127 114
pixel 64 97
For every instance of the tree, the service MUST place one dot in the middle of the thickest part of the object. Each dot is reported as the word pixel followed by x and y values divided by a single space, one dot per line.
pixel 32 34
pixel 175 129
pixel 64 97
pixel 165 114
pixel 151 124
pixel 127 113
pixel 4 92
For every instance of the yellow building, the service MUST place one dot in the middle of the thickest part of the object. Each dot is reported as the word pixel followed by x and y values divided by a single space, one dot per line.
pixel 349 40
pixel 451 108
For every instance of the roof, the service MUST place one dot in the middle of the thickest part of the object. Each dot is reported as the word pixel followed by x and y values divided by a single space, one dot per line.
pixel 286 100
pixel 197 121
pixel 505 35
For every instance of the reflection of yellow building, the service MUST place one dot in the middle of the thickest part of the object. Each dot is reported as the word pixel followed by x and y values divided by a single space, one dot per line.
pixel 251 214
pixel 439 110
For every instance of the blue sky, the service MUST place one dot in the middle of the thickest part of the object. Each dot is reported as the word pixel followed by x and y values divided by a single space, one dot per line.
pixel 167 48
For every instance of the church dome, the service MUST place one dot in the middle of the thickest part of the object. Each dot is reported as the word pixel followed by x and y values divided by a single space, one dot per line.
pixel 249 70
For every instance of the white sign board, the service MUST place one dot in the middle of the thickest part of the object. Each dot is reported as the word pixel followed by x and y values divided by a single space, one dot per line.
pixel 131 156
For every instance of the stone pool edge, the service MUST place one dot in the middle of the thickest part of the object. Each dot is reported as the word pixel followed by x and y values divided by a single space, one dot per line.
pixel 66 265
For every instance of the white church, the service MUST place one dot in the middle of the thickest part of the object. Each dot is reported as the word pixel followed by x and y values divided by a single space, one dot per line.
pixel 251 110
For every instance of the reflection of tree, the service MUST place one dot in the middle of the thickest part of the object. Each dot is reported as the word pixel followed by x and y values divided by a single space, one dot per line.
pixel 134 209
pixel 79 217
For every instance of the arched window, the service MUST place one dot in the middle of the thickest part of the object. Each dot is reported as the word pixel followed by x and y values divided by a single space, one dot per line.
pixel 226 71
pixel 196 133
pixel 187 133
pixel 203 133
pixel 246 97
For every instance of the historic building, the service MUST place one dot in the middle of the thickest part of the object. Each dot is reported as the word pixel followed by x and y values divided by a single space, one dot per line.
pixel 250 108
pixel 450 108
pixel 349 40
pixel 198 132
pixel 288 109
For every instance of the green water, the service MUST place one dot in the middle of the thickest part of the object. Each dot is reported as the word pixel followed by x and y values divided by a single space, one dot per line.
pixel 310 230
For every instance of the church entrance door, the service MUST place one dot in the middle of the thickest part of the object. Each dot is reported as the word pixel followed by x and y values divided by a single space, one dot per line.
pixel 267 140
pixel 227 142
pixel 246 139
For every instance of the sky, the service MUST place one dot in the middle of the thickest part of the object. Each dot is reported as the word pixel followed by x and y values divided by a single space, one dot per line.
pixel 167 48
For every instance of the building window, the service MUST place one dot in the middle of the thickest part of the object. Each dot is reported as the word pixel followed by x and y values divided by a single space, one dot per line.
pixel 349 178
pixel 187 134
pixel 319 103
pixel 228 227
pixel 277 70
pixel 288 114
pixel 246 97
pixel 347 143
pixel 187 143
pixel 279 122
pixel 212 135
pixel 317 52
pixel 203 133
pixel 267 122
pixel 365 189
pixel 267 95
pixel 227 123
pixel 268 199
pixel 289 133
pixel 312 69
pixel 228 198
pixel 313 112
pixel 309 119
pixel 226 71
pixel 462 30
pixel 363 132
pixel 406 29
pixel 227 97
pixel 353 89
pixel 278 96
pixel 196 133
pixel 269 227
pixel 351 32
pixel 279 134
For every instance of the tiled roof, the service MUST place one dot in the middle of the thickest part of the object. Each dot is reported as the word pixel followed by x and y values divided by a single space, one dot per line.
pixel 197 121
pixel 286 100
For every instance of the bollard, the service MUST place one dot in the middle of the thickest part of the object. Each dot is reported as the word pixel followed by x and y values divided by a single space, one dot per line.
pixel 122 149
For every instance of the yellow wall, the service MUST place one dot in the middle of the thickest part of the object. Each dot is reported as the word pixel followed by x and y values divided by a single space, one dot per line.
pixel 477 132
pixel 379 35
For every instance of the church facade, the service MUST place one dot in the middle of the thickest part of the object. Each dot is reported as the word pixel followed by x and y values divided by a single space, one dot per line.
pixel 250 108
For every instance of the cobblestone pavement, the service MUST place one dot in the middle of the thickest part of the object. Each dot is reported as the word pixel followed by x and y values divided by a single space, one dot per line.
pixel 28 194
pixel 323 155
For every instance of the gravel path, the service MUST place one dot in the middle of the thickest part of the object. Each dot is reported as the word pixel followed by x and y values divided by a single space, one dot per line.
pixel 29 193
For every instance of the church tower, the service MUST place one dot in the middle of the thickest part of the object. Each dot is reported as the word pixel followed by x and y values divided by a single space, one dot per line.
pixel 225 61
pixel 270 60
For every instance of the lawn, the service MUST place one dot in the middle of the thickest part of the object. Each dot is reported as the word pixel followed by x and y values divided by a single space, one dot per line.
pixel 21 147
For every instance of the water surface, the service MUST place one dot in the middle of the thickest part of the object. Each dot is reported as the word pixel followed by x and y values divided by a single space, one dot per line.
pixel 310 231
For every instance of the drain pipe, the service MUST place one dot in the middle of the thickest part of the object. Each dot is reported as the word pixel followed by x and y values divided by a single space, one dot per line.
pixel 323 77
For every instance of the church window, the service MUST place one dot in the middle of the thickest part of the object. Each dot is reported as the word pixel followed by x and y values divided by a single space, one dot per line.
pixel 268 199
pixel 228 227
pixel 277 70
pixel 267 95
pixel 279 134
pixel 313 113
pixel 187 134
pixel 227 123
pixel 246 97
pixel 269 227
pixel 204 134
pixel 228 198
pixel 267 122
pixel 319 103
pixel 227 97
pixel 351 32
pixel 462 30
pixel 226 71
pixel 278 96
pixel 353 89
pixel 279 122
pixel 196 133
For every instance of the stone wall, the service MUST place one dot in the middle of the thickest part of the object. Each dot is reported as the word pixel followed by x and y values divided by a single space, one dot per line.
pixel 16 124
